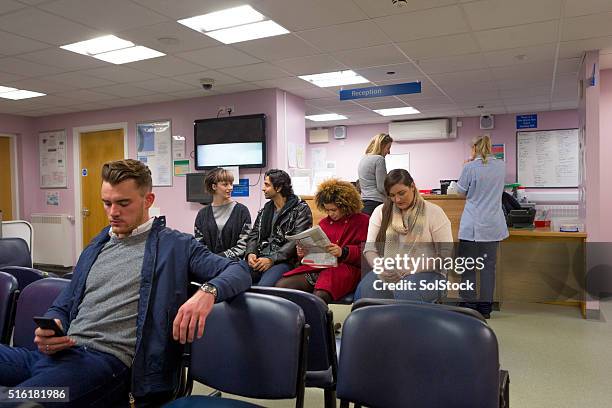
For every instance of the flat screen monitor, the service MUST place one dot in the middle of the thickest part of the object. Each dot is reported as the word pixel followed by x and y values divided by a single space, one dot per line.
pixel 231 141
pixel 196 193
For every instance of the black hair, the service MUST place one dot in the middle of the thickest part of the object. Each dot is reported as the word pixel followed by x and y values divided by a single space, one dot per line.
pixel 281 181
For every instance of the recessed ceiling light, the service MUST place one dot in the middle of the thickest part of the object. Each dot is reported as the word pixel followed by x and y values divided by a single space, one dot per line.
pixel 326 117
pixel 20 94
pixel 7 89
pixel 131 54
pixel 98 45
pixel 405 110
pixel 222 19
pixel 248 32
pixel 337 78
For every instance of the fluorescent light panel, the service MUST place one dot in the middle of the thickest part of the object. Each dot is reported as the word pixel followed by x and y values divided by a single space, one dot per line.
pixel 222 19
pixel 338 78
pixel 20 94
pixel 98 45
pixel 405 110
pixel 131 54
pixel 248 32
pixel 326 117
pixel 7 89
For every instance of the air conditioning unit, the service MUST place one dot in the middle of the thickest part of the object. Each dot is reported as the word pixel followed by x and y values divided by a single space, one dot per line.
pixel 428 129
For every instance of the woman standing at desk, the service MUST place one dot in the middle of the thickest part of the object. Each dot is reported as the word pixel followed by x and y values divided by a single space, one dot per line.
pixel 483 223
pixel 372 171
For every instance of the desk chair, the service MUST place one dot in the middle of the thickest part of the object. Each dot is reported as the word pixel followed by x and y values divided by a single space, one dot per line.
pixel 322 366
pixel 8 294
pixel 253 346
pixel 408 355
pixel 14 252
pixel 35 300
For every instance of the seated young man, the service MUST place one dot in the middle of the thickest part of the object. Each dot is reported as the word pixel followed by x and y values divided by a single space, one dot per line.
pixel 126 312
pixel 268 252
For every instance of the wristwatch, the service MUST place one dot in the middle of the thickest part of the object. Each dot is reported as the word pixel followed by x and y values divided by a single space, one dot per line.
pixel 208 288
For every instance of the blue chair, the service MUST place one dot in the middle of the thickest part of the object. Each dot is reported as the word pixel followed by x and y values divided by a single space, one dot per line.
pixel 25 275
pixel 35 300
pixel 253 346
pixel 322 366
pixel 410 355
pixel 14 252
pixel 8 294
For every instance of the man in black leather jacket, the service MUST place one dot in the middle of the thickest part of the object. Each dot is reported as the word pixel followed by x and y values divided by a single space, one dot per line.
pixel 268 252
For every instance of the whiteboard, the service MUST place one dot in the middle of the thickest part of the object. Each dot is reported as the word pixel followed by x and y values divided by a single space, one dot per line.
pixel 547 158
pixel 397 161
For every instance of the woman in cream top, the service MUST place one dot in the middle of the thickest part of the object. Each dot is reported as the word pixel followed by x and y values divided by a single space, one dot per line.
pixel 408 240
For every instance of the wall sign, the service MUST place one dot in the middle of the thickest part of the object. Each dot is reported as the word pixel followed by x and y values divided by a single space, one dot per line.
pixel 52 159
pixel 154 145
pixel 378 91
pixel 527 121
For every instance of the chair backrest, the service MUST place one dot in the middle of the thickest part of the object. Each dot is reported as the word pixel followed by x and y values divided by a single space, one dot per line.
pixel 377 302
pixel 253 346
pixel 35 300
pixel 405 355
pixel 322 343
pixel 8 293
pixel 23 274
pixel 14 252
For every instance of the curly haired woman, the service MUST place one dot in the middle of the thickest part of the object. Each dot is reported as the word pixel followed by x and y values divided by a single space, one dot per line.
pixel 347 229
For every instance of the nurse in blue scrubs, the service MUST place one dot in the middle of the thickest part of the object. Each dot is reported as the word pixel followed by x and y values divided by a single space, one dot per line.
pixel 483 223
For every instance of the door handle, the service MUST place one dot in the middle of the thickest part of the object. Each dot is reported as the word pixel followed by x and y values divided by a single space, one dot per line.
pixel 85 212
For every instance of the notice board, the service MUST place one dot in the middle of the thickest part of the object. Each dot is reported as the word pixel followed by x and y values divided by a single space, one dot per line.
pixel 547 158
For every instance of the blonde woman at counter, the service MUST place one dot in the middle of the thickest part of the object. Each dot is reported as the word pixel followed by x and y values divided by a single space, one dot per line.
pixel 372 171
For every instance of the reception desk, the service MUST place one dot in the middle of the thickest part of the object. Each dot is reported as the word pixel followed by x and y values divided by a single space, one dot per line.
pixel 537 265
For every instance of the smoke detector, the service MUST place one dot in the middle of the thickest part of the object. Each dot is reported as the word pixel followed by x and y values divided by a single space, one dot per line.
pixel 399 3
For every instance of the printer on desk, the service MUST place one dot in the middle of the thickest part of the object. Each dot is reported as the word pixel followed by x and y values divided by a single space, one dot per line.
pixel 522 218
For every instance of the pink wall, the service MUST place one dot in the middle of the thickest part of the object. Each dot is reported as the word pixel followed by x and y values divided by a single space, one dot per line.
pixel 443 159
pixel 605 151
pixel 170 200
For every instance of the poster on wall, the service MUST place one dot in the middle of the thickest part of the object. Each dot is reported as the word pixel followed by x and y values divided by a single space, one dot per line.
pixel 499 151
pixel 154 148
pixel 52 159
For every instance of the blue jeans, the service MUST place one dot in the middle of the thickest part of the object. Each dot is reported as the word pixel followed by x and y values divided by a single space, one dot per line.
pixel 271 276
pixel 482 302
pixel 93 378
pixel 366 288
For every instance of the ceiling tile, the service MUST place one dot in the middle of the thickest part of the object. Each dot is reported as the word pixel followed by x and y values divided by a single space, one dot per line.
pixel 443 65
pixel 311 65
pixel 574 49
pixel 7 6
pixel 575 8
pixel 39 25
pixel 153 98
pixel 573 104
pixel 520 55
pixel 194 78
pixel 26 68
pixel 477 75
pixel 528 108
pixel 43 85
pixel 195 93
pixel 218 57
pixel 119 74
pixel 86 95
pixel 123 90
pixel 371 56
pixel 523 82
pixel 526 92
pixel 107 15
pixel 79 80
pixel 278 47
pixel 345 36
pixel 165 66
pixel 60 58
pixel 533 71
pixel 187 8
pixel 116 103
pixel 447 45
pixel 423 24
pixel 406 72
pixel 569 65
pixel 487 14
pixel 256 72
pixel 165 85
pixel 11 44
pixel 378 8
pixel 594 25
pixel 296 15
pixel 517 36
pixel 6 77
pixel 242 87
pixel 187 38
pixel 286 84
pixel 54 100
pixel 314 93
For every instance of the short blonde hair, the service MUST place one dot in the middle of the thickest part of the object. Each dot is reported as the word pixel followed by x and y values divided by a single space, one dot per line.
pixel 482 147
pixel 378 143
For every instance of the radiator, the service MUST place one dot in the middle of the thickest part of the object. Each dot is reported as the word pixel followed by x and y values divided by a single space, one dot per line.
pixel 53 239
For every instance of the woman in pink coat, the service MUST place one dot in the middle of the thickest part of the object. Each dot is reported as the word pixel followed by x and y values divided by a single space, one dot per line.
pixel 347 229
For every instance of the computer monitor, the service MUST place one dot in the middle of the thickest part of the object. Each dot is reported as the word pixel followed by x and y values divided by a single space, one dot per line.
pixel 195 191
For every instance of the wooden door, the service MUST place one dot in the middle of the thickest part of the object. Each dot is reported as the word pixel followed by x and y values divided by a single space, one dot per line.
pixel 6 179
pixel 97 148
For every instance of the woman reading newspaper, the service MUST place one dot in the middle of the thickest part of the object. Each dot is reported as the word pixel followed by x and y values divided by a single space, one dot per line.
pixel 337 274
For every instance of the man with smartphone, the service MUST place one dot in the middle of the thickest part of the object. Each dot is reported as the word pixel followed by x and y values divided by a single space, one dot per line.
pixel 126 313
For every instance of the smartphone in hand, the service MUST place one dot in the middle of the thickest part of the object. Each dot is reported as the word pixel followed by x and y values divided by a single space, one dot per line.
pixel 49 324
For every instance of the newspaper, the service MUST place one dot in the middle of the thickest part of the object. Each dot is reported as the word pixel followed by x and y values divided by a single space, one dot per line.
pixel 314 241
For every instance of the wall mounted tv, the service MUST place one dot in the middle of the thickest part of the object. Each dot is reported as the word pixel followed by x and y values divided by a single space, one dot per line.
pixel 230 141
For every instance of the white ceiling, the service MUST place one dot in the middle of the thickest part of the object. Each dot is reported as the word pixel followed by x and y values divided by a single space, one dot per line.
pixel 510 56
